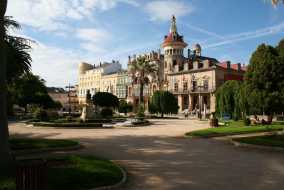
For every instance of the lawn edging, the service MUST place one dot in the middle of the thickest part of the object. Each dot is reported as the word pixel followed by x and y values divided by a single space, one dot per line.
pixel 43 150
pixel 253 146
pixel 117 185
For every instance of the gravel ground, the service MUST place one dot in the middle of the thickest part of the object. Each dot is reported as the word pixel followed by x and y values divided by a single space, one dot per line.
pixel 158 157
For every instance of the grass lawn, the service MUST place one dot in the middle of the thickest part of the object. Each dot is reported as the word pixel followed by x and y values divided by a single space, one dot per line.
pixel 75 173
pixel 271 140
pixel 23 144
pixel 234 128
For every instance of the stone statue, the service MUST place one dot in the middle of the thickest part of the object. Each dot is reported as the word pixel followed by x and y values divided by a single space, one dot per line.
pixel 87 111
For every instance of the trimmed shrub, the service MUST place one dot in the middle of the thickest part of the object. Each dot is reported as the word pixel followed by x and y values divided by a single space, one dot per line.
pixel 106 113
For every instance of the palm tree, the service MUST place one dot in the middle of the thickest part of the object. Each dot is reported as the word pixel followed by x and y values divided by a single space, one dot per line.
pixel 140 70
pixel 4 134
pixel 276 2
pixel 18 49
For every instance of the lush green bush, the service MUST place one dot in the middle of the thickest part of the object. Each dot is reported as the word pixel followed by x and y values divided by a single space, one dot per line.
pixel 106 113
pixel 105 99
pixel 41 115
pixel 163 102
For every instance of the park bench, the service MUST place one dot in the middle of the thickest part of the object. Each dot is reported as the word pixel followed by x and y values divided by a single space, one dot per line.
pixel 31 175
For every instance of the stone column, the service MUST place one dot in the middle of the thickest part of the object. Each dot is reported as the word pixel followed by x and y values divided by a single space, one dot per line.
pixel 212 103
pixel 190 102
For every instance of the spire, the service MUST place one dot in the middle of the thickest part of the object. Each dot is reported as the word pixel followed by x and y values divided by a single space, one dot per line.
pixel 173 25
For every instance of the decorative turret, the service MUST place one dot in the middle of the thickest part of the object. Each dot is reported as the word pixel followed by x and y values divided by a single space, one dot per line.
pixel 173 37
pixel 173 47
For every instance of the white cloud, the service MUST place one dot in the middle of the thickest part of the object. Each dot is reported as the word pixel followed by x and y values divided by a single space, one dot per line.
pixel 51 15
pixel 93 39
pixel 57 66
pixel 232 39
pixel 163 9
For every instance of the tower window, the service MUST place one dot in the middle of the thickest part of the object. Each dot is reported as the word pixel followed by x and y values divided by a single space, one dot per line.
pixel 176 87
pixel 174 62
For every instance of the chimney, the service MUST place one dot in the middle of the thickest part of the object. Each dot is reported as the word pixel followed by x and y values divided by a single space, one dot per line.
pixel 239 67
pixel 188 53
pixel 228 64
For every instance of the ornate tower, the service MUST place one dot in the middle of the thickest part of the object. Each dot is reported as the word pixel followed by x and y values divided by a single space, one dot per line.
pixel 173 46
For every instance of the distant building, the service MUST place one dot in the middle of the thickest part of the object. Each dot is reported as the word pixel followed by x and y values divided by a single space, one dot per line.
pixel 101 78
pixel 67 98
pixel 193 78
pixel 59 95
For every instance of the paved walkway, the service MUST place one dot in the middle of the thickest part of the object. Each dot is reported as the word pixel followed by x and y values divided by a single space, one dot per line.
pixel 159 158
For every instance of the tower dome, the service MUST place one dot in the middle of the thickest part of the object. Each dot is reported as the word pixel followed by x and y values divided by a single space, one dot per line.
pixel 197 48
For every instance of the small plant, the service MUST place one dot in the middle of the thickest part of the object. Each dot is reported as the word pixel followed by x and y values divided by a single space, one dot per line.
pixel 140 113
pixel 247 122
pixel 69 118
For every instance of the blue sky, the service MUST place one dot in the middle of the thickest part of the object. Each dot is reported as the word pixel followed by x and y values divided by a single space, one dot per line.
pixel 68 32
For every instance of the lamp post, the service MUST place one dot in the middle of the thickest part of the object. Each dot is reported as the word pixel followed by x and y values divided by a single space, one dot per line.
pixel 69 87
pixel 199 101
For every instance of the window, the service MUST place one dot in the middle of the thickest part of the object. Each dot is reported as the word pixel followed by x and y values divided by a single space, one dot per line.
pixel 194 85
pixel 166 64
pixel 185 86
pixel 176 87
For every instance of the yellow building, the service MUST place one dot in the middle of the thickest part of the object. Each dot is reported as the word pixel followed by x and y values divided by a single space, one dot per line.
pixel 102 78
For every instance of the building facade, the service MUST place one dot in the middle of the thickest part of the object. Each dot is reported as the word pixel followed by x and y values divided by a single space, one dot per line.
pixel 106 77
pixel 192 78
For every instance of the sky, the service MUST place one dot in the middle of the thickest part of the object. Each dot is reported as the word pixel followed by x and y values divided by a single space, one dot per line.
pixel 68 32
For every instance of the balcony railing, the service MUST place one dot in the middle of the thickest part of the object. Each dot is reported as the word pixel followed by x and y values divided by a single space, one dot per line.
pixel 193 90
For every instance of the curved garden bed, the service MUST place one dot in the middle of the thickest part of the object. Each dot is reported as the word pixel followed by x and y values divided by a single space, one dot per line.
pixel 67 124
pixel 269 142
pixel 74 173
pixel 232 130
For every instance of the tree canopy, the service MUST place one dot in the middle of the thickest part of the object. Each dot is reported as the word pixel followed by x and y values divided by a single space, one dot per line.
pixel 265 80
pixel 30 89
pixel 163 102
pixel 105 99
pixel 140 71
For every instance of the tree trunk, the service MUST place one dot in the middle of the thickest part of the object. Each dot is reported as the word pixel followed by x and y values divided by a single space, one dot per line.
pixel 162 115
pixel 141 99
pixel 5 157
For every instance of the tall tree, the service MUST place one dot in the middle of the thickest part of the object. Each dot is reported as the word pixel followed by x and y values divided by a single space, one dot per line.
pixel 18 49
pixel 5 157
pixel 265 80
pixel 31 89
pixel 140 71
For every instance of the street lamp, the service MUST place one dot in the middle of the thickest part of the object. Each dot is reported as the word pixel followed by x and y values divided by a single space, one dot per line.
pixel 69 87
